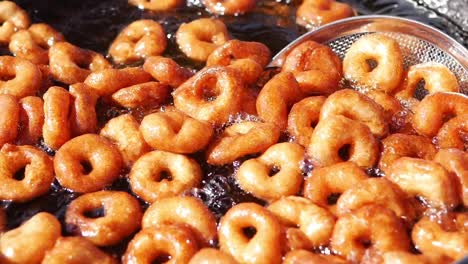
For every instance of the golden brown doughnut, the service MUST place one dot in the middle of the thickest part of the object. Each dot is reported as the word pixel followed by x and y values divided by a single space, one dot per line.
pixel 172 243
pixel 390 104
pixel 108 81
pixel 124 132
pixel 385 52
pixel 427 179
pixel 229 7
pixel 241 139
pixel 57 128
pixel 307 225
pixel 403 257
pixel 199 38
pixel 70 64
pixel 313 77
pixel 336 179
pixel 140 95
pixel 396 146
pixel 158 174
pixel 9 118
pixel 338 138
pixel 264 247
pixel 276 97
pixel 455 161
pixel 454 133
pixel 157 5
pixel 213 94
pixel 436 109
pixel 301 256
pixel 121 216
pixel 212 256
pixel 356 106
pixel 87 163
pixel 139 40
pixel 187 211
pixel 29 242
pixel 83 112
pixel 31 120
pixel 174 131
pixel 303 117
pixel 13 18
pixel 33 43
pixel 274 174
pixel 19 77
pixel 37 177
pixel 320 12
pixel 76 250
pixel 370 227
pixel 166 71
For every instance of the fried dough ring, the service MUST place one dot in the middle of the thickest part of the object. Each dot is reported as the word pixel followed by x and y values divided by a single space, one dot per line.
pixel 385 51
pixel 88 150
pixel 241 139
pixel 147 175
pixel 157 5
pixel 454 133
pixel 19 77
pixel 455 161
pixel 283 161
pixel 303 117
pixel 390 104
pixel 122 216
pixel 31 120
pixel 9 118
pixel 57 128
pixel 320 12
pixel 229 7
pixel 313 77
pixel 264 247
pixel 301 256
pixel 212 256
pixel 141 95
pixel 83 112
pixel 166 71
pixel 139 40
pixel 13 18
pixel 38 173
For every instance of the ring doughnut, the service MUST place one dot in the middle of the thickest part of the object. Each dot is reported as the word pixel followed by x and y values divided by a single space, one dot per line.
pixel 158 174
pixel 382 50
pixel 241 139
pixel 83 112
pixel 276 97
pixel 139 40
pixel 212 256
pixel 9 118
pixel 454 133
pixel 108 81
pixel 320 12
pixel 199 38
pixel 338 138
pixel 143 94
pixel 229 7
pixel 303 117
pixel 121 216
pixel 213 94
pixel 37 177
pixel 33 44
pixel 449 240
pixel 157 5
pixel 13 19
pixel 274 174
pixel 301 256
pixel 31 120
pixel 432 112
pixel 396 146
pixel 313 77
pixel 370 227
pixel 403 257
pixel 187 211
pixel 377 191
pixel 390 104
pixel 427 179
pixel 437 78
pixel 175 131
pixel 124 132
pixel 29 242
pixel 57 128
pixel 76 250
pixel 265 244
pixel 19 77
pixel 87 163
pixel 356 106
pixel 171 243
pixel 455 161
pixel 324 183
pixel 166 71
pixel 303 219
pixel 70 64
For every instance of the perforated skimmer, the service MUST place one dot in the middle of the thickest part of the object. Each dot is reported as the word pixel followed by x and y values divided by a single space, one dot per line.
pixel 419 42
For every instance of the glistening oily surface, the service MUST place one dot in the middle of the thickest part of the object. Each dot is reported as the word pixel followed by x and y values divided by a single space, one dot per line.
pixel 93 25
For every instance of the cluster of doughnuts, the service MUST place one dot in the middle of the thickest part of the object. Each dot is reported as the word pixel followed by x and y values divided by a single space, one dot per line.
pixel 413 211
